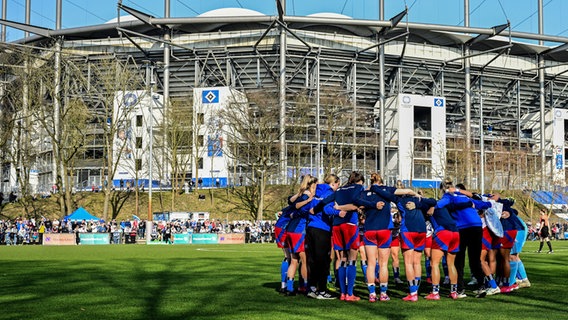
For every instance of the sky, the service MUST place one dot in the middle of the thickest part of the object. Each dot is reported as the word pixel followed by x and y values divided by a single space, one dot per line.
pixel 523 14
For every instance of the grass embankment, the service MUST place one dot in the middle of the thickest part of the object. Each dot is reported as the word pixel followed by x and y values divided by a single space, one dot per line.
pixel 222 203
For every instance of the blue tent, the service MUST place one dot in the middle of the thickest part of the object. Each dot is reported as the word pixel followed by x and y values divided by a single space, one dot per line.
pixel 81 214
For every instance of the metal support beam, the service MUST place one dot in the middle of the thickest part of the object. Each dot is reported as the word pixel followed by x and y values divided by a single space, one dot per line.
pixel 319 156
pixel 4 15
pixel 58 14
pixel 141 35
pixel 167 53
pixel 382 42
pixel 282 102
pixel 467 92
pixel 144 52
pixel 481 140
pixel 468 55
pixel 146 18
pixel 382 101
pixel 56 157
pixel 28 9
pixel 542 104
pixel 542 98
pixel 354 105
pixel 27 28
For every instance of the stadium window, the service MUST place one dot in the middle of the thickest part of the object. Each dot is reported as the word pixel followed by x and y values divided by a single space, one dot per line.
pixel 139 142
pixel 199 163
pixel 200 140
pixel 200 118
pixel 138 164
pixel 139 120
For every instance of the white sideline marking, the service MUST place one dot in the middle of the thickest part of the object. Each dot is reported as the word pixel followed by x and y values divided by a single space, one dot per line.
pixel 225 250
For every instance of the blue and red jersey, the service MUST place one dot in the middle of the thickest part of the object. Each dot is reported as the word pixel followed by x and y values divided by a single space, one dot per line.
pixel 466 217
pixel 412 220
pixel 284 219
pixel 348 194
pixel 513 222
pixel 323 219
pixel 386 193
pixel 299 217
pixel 376 219
pixel 441 219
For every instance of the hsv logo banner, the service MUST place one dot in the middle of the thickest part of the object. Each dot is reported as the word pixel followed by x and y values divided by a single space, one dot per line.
pixel 438 102
pixel 210 96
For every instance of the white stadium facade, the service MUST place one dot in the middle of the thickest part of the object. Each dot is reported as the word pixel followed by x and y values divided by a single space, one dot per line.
pixel 420 101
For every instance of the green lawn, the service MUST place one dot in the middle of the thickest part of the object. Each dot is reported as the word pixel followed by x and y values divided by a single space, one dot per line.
pixel 231 282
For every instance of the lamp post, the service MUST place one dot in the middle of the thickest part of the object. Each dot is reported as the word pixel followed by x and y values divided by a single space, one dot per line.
pixel 149 222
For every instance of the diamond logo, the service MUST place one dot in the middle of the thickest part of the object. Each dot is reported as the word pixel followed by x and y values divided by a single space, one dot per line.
pixel 438 102
pixel 210 96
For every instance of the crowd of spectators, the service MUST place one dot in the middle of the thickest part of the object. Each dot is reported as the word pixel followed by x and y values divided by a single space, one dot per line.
pixel 557 231
pixel 22 231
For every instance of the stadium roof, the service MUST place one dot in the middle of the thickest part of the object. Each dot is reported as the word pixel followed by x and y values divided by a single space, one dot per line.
pixel 246 19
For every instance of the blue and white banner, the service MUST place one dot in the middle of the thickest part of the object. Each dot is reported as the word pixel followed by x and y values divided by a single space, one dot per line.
pixel 210 96
pixel 438 102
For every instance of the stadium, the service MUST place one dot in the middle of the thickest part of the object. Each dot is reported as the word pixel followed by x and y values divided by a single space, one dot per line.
pixel 414 101
pixel 147 101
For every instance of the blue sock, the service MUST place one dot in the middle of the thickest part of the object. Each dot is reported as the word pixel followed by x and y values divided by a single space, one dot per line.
pixel 514 269
pixel 364 269
pixel 491 283
pixel 396 272
pixel 342 277
pixel 290 284
pixel 384 287
pixel 417 282
pixel 428 267
pixel 412 287
pixel 445 266
pixel 351 275
pixel 435 288
pixel 371 288
pixel 521 270
pixel 283 270
pixel 454 287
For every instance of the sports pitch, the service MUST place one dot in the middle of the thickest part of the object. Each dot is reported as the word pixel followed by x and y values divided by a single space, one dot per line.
pixel 232 282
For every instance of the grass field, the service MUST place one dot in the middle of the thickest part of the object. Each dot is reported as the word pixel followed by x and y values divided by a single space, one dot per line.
pixel 231 282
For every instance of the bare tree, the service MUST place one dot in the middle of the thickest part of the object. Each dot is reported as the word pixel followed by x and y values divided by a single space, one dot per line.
pixel 252 135
pixel 178 126
pixel 109 76
pixel 336 125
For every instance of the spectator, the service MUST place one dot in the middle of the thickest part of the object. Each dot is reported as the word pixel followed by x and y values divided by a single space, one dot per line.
pixel 247 233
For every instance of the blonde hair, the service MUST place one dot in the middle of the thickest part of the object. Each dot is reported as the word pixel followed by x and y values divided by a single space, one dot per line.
pixel 446 184
pixel 306 183
pixel 376 178
pixel 331 178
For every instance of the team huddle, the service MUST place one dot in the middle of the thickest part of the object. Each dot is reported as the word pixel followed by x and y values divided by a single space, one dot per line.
pixel 325 221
